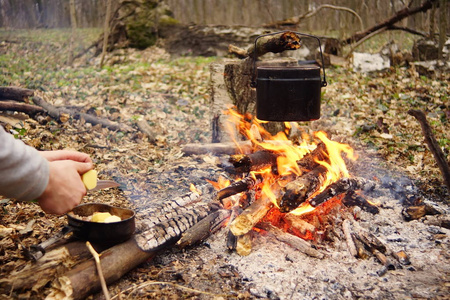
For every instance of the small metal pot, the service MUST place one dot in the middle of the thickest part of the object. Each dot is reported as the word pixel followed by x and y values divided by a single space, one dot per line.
pixel 288 93
pixel 104 234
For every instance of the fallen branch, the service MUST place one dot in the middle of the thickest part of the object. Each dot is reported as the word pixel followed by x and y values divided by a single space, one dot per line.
pixel 57 113
pixel 400 15
pixel 251 216
pixel 83 280
pixel 433 145
pixel 15 93
pixel 28 109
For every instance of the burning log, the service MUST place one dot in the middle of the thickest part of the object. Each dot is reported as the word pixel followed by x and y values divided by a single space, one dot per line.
pixel 204 228
pixel 309 161
pixel 170 231
pixel 237 187
pixel 292 240
pixel 339 187
pixel 301 225
pixel 251 216
pixel 245 163
pixel 297 191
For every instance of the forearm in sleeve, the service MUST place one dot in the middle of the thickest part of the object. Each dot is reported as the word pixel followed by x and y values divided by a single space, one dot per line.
pixel 24 172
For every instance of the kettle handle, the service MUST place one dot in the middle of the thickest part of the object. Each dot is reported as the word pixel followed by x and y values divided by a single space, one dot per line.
pixel 324 80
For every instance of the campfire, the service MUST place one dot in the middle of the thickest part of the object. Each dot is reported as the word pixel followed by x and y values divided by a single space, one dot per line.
pixel 291 188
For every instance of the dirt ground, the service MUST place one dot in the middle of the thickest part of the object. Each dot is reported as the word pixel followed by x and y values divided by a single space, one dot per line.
pixel 366 111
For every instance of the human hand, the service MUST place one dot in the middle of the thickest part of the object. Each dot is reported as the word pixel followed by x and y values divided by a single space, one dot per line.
pixel 65 189
pixel 66 155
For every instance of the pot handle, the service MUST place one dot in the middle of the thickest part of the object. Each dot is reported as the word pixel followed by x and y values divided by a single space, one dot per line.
pixel 37 251
pixel 324 80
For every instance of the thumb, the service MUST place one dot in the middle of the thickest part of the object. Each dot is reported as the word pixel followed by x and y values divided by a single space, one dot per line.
pixel 83 167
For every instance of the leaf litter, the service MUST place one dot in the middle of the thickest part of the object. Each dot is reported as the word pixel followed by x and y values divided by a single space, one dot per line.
pixel 368 111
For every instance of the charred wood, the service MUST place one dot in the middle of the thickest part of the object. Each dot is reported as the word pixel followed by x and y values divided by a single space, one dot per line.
pixel 402 257
pixel 297 191
pixel 353 199
pixel 15 93
pixel 237 187
pixel 204 228
pixel 292 240
pixel 416 212
pixel 151 216
pixel 244 163
pixel 251 216
pixel 309 161
pixel 341 186
pixel 170 231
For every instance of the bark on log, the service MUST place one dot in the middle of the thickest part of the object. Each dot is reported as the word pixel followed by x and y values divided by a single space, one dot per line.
pixel 245 163
pixel 218 148
pixel 298 191
pixel 203 229
pixel 433 145
pixel 237 187
pixel 28 109
pixel 272 43
pixel 83 279
pixel 309 161
pixel 57 113
pixel 341 186
pixel 15 93
pixel 400 15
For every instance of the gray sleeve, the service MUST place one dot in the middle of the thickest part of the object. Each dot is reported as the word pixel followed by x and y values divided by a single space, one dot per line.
pixel 24 172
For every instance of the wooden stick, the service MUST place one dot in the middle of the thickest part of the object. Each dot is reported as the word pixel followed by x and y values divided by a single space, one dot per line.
pixel 217 148
pixel 83 281
pixel 21 107
pixel 258 160
pixel 292 240
pixel 146 129
pixel 299 224
pixel 56 113
pixel 433 145
pixel 339 187
pixel 251 216
pixel 297 191
pixel 99 270
pixel 15 93
pixel 237 187
pixel 346 227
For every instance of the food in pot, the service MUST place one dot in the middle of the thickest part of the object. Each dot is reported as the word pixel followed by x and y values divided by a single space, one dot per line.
pixel 104 217
pixel 89 179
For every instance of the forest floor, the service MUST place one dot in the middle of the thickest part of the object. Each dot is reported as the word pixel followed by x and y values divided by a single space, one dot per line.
pixel 367 111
